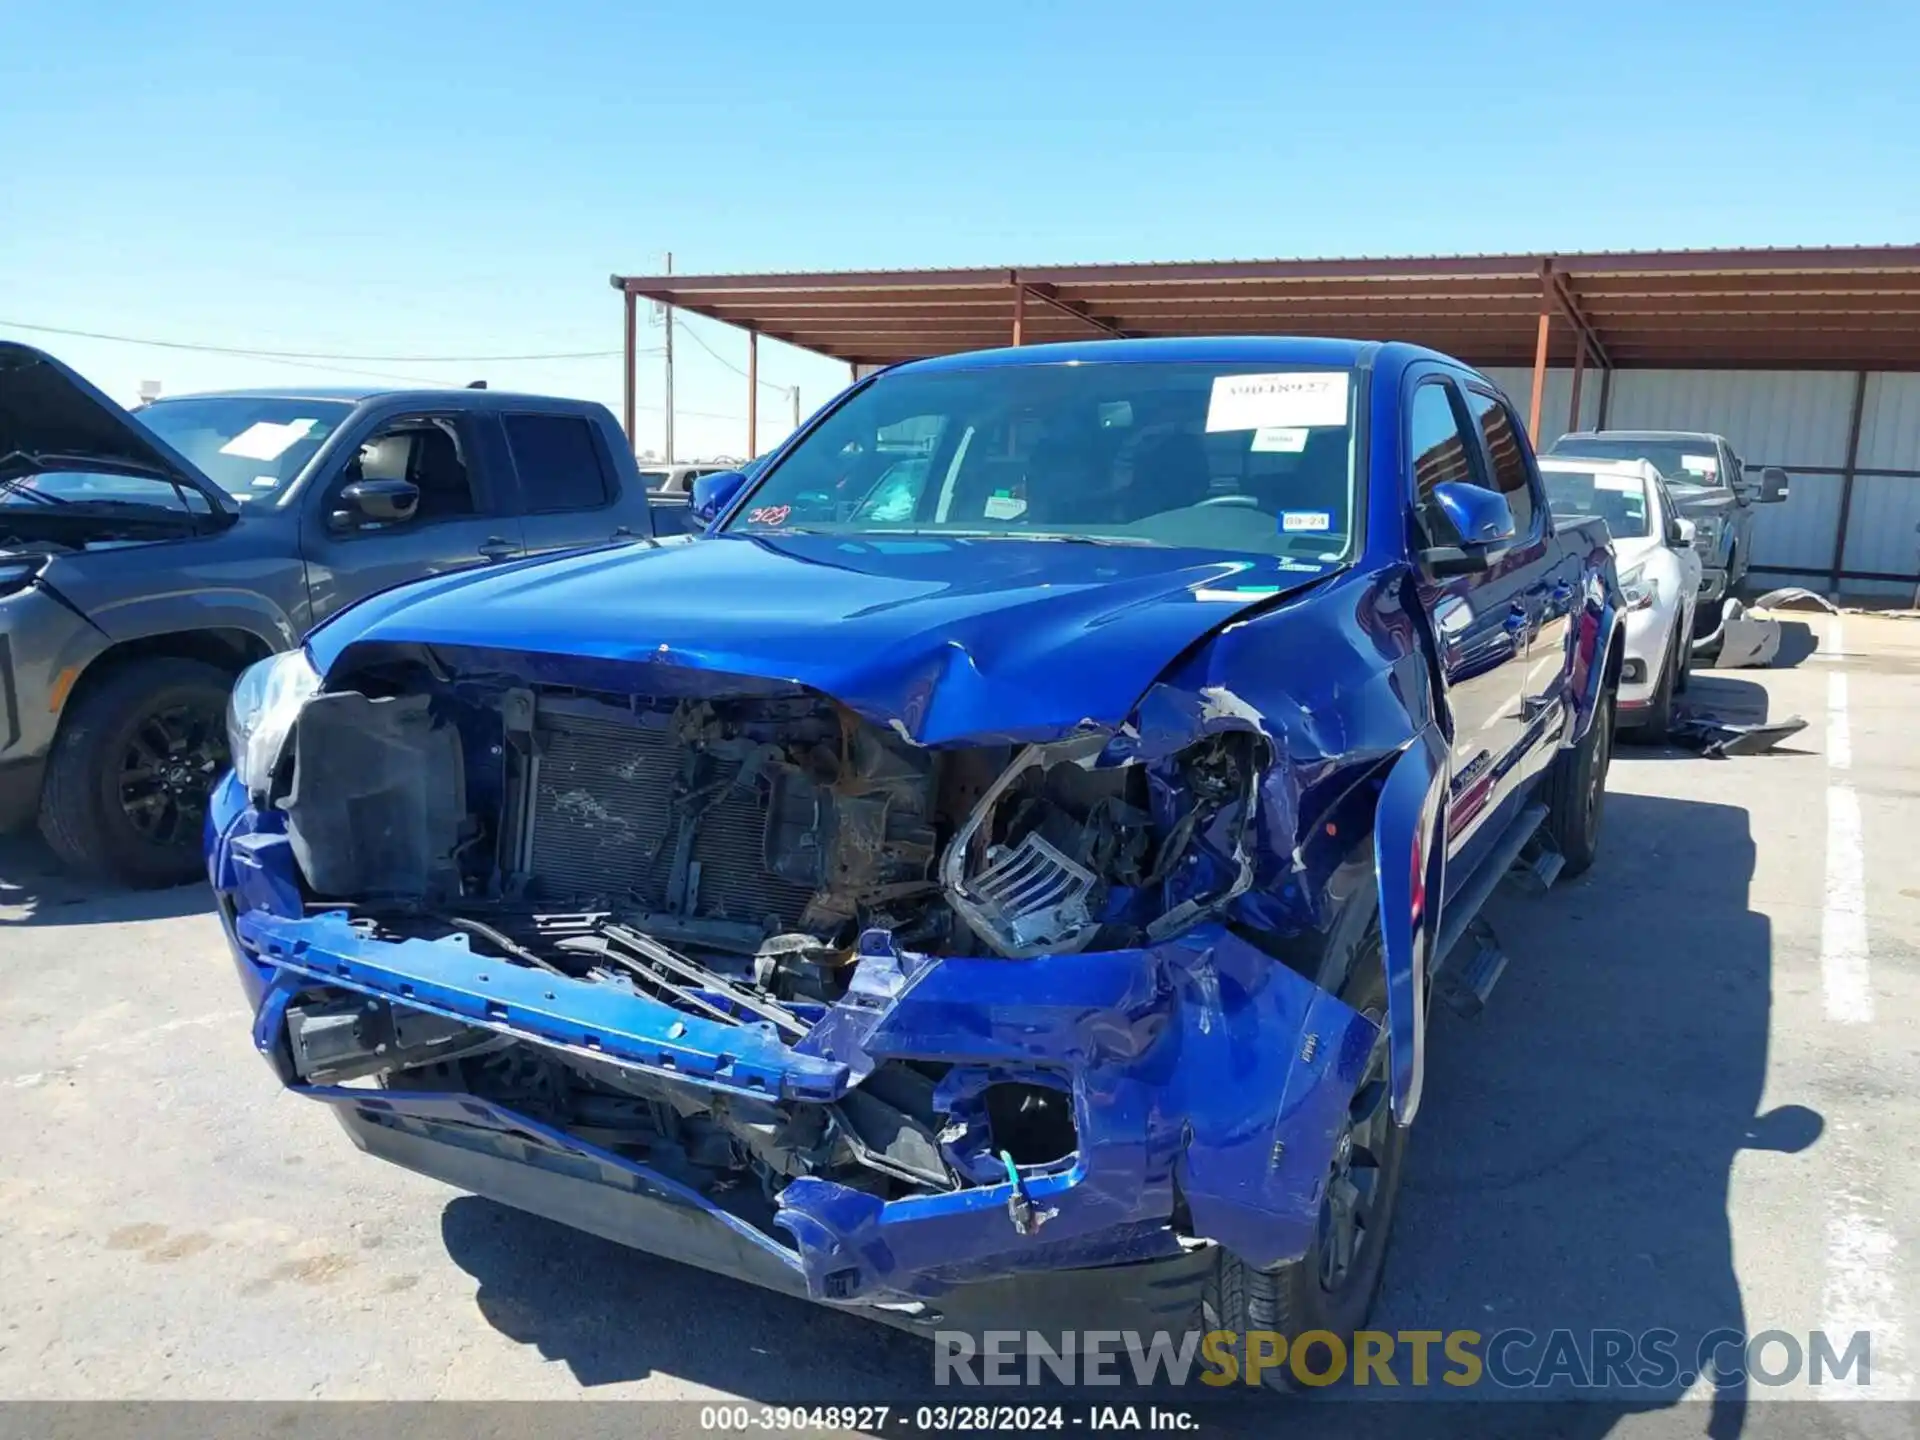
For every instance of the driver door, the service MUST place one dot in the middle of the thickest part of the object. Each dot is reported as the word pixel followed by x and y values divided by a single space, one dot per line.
pixel 463 520
pixel 1479 619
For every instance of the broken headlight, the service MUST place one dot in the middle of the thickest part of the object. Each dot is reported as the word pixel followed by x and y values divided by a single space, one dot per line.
pixel 261 712
pixel 1060 848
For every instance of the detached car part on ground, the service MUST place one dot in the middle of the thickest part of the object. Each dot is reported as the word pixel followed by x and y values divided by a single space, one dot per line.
pixel 147 558
pixel 1022 911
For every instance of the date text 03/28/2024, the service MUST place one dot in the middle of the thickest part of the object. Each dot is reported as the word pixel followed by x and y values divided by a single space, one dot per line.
pixel 880 1419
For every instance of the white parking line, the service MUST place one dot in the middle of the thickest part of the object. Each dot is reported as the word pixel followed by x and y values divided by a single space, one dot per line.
pixel 1862 1293
pixel 1861 1288
pixel 1845 972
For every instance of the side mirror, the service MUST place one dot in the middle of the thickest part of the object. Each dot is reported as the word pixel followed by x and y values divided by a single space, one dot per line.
pixel 379 502
pixel 1773 485
pixel 1482 521
pixel 1680 533
pixel 713 493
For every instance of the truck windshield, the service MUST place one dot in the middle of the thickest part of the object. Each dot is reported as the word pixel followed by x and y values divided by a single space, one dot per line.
pixel 1250 458
pixel 1685 462
pixel 1620 500
pixel 250 446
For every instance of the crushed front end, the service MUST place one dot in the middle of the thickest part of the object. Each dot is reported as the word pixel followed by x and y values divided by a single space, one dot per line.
pixel 716 967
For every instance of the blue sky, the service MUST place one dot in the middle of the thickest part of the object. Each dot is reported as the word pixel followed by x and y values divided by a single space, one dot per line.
pixel 442 179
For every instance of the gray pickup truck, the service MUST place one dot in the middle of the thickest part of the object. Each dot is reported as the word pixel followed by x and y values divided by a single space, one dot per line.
pixel 1710 486
pixel 145 561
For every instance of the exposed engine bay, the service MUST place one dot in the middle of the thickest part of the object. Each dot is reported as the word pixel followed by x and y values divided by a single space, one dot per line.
pixel 726 853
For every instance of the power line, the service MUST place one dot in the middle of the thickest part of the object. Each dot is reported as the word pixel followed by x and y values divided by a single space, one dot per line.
pixel 257 354
pixel 303 360
pixel 783 389
pixel 432 382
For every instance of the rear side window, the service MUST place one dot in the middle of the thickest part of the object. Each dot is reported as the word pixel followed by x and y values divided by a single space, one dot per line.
pixel 559 463
pixel 1505 457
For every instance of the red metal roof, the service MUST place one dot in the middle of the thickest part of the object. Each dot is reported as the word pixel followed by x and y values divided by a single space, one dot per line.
pixel 1838 308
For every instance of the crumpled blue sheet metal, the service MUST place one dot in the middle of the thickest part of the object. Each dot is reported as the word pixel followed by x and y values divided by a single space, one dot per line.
pixel 1161 1047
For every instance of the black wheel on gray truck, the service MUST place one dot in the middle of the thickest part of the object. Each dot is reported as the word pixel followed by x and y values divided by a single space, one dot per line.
pixel 1332 1287
pixel 1575 790
pixel 125 794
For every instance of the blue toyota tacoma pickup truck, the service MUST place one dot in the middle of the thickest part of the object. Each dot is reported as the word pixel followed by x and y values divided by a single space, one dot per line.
pixel 1014 898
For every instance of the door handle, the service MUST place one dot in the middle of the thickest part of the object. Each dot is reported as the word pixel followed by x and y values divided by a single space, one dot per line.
pixel 494 548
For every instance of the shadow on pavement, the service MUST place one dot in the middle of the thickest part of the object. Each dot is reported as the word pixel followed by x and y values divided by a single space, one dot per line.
pixel 1716 697
pixel 1569 1171
pixel 1570 1167
pixel 612 1315
pixel 36 890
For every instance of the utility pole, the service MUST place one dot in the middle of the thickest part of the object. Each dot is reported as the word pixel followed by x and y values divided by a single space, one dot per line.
pixel 753 393
pixel 669 327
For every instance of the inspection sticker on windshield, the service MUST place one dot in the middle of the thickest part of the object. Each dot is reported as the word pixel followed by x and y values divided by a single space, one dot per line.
pixel 1280 439
pixel 266 440
pixel 1253 402
pixel 1699 464
pixel 1294 521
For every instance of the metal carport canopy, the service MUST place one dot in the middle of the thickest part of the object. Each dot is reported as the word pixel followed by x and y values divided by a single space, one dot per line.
pixel 1833 308
pixel 1854 308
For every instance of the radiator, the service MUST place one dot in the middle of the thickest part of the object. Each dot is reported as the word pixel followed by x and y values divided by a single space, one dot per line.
pixel 603 826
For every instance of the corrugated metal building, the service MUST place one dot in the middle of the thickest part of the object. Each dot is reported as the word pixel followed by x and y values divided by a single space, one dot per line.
pixel 1806 359
pixel 1800 420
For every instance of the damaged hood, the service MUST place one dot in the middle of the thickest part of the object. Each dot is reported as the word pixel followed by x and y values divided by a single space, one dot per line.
pixel 942 639
pixel 53 419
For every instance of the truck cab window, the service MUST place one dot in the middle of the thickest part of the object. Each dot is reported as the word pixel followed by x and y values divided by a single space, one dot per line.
pixel 1506 457
pixel 1441 452
pixel 425 453
pixel 559 463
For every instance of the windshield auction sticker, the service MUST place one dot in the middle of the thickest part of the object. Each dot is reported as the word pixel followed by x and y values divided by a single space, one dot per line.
pixel 1254 402
pixel 266 440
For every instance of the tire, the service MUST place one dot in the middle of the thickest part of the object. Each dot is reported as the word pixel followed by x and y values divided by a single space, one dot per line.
pixel 125 795
pixel 1652 725
pixel 1576 792
pixel 1294 1298
pixel 1706 617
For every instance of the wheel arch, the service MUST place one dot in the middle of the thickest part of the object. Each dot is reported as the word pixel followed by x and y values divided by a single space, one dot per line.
pixel 228 648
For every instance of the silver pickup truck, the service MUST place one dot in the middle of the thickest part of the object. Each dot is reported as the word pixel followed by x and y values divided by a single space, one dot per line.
pixel 1712 488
